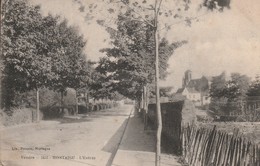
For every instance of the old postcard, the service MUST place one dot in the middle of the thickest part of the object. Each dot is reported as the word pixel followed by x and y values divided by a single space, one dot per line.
pixel 130 82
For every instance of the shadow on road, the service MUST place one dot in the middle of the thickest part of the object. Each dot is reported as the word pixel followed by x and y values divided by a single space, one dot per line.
pixel 136 138
pixel 113 143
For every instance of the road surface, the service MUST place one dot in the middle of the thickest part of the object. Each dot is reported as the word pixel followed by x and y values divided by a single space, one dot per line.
pixel 82 140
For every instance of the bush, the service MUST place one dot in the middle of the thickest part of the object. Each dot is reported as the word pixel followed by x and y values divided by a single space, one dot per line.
pixel 18 116
pixel 82 109
pixel 52 112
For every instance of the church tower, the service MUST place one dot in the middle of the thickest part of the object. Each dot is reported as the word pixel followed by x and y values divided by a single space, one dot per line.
pixel 187 78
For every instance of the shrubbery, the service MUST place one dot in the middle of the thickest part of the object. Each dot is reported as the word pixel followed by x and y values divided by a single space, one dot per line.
pixel 18 116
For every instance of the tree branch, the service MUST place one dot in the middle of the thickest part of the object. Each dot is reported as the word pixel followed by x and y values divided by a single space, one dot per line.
pixel 159 7
pixel 194 18
pixel 146 21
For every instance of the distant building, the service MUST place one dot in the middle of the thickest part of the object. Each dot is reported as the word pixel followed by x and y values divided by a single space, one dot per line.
pixel 196 90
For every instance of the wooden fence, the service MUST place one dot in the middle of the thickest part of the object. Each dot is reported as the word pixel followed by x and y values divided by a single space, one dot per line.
pixel 210 147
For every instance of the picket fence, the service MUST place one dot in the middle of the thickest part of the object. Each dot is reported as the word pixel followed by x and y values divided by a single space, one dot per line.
pixel 210 147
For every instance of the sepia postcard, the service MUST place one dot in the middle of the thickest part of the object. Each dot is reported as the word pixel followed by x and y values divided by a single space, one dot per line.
pixel 130 83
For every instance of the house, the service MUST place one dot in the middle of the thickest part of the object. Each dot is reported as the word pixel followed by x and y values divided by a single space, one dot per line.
pixel 196 90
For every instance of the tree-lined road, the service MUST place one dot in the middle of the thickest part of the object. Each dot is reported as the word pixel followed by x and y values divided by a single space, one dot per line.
pixel 83 140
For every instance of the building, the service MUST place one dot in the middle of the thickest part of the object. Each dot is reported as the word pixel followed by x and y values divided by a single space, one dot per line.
pixel 196 90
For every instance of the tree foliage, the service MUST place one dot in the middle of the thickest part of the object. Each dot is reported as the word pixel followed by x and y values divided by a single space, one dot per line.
pixel 233 90
pixel 135 24
pixel 237 87
pixel 129 64
pixel 254 88
pixel 216 4
pixel 218 85
pixel 228 95
pixel 39 52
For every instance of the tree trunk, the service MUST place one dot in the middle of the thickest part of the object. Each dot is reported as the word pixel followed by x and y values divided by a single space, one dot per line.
pixel 158 106
pixel 61 100
pixel 146 107
pixel 37 106
pixel 77 107
pixel 147 98
pixel 87 97
pixel 142 101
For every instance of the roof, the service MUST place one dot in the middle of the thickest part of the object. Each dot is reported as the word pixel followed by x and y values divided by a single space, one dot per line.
pixel 192 90
pixel 180 90
pixel 200 85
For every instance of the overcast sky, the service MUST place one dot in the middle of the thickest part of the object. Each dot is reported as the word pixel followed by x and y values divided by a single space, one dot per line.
pixel 227 41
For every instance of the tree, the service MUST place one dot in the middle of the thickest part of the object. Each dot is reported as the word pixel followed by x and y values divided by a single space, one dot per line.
pixel 217 92
pixel 227 96
pixel 130 62
pixel 100 87
pixel 147 14
pixel 131 59
pixel 254 88
pixel 237 87
pixel 218 85
pixel 22 68
pixel 69 66
pixel 152 22
pixel 39 52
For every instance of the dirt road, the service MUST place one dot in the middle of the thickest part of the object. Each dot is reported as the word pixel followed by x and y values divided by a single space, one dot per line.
pixel 82 140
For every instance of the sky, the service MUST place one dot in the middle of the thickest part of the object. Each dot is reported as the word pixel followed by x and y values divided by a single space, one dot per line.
pixel 217 42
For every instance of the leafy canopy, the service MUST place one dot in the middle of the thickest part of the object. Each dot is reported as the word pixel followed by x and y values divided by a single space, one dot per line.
pixel 129 64
pixel 254 88
pixel 39 51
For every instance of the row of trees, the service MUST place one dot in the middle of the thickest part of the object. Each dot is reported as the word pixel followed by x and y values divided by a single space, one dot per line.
pixel 129 64
pixel 230 95
pixel 46 52
pixel 39 52
pixel 139 56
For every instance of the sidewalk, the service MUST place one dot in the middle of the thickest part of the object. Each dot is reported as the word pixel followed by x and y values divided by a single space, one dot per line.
pixel 137 147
